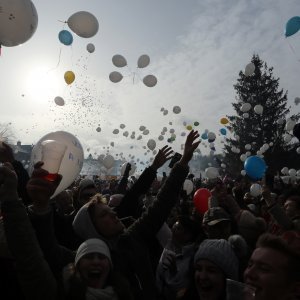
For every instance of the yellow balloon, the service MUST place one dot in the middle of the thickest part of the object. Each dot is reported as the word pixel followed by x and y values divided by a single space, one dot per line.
pixel 189 127
pixel 69 77
pixel 224 121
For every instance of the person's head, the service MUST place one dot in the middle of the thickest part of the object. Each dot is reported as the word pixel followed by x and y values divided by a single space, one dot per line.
pixel 216 223
pixel 97 219
pixel 185 230
pixel 93 261
pixel 292 206
pixel 64 202
pixel 274 269
pixel 85 191
pixel 214 262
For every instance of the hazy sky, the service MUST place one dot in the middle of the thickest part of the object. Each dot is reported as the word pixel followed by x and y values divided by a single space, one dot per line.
pixel 197 48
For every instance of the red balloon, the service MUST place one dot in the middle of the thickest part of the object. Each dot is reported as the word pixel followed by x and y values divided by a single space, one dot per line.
pixel 201 197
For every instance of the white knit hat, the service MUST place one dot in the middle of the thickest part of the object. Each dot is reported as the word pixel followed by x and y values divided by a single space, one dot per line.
pixel 92 246
pixel 220 253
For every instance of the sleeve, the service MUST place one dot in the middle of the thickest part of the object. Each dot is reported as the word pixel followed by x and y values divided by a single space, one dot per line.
pixel 278 214
pixel 130 203
pixel 36 279
pixel 150 222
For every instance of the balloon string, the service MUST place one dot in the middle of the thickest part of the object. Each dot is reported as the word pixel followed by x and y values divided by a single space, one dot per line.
pixel 293 50
pixel 57 62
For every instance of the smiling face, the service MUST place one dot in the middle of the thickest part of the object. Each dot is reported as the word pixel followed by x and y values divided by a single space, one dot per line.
pixel 267 272
pixel 210 280
pixel 94 269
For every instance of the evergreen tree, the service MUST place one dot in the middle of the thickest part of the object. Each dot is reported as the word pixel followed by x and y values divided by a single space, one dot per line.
pixel 264 132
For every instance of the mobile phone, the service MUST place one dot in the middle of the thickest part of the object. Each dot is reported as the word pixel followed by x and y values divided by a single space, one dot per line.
pixel 175 158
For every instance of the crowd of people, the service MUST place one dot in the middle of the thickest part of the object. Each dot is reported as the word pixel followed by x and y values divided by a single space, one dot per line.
pixel 145 239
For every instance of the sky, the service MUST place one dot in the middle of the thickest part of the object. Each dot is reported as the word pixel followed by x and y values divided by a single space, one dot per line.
pixel 196 47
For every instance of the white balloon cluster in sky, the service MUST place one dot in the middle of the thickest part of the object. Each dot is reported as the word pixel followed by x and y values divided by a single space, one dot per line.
pixel 143 61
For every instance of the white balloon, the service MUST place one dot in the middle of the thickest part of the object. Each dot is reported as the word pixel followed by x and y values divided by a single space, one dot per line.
pixel 280 121
pixel 98 129
pixel 84 24
pixel 150 80
pixel 188 186
pixel 176 109
pixel 285 170
pixel 271 144
pixel 122 126
pixel 249 70
pixel 245 107
pixel 223 166
pixel 298 150
pixel 287 138
pixel 108 161
pixel 139 137
pixel 165 112
pixel 243 157
pixel 160 138
pixel 71 163
pixel 151 144
pixel 18 22
pixel 243 173
pixel 297 100
pixel 112 144
pixel 116 131
pixel 258 109
pixel 145 132
pixel 211 172
pixel 142 128
pixel 255 189
pixel 245 115
pixel 90 47
pixel 248 147
pixel 211 136
pixel 125 133
pixel 172 130
pixel 143 61
pixel 292 172
pixel 290 124
pixel 248 153
pixel 119 61
pixel 59 101
pixel 115 76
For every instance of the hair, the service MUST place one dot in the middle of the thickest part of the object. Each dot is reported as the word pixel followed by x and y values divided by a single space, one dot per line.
pixel 286 248
pixel 96 199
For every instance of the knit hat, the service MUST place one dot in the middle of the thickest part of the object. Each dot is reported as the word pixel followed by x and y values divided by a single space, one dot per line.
pixel 92 246
pixel 221 254
pixel 215 215
pixel 83 225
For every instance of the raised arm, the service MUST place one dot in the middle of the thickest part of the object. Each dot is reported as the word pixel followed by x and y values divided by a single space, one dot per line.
pixel 149 224
pixel 35 276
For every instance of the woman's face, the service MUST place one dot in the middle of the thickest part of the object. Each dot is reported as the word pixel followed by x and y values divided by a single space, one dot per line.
pixel 94 269
pixel 210 280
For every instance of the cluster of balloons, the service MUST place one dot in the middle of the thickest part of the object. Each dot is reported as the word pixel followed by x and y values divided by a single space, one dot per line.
pixel 143 61
pixel 72 160
pixel 18 22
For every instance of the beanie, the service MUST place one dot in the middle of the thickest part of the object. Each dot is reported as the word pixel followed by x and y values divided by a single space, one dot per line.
pixel 92 246
pixel 221 254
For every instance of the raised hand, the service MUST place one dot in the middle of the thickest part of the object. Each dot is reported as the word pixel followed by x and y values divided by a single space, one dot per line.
pixel 189 147
pixel 40 189
pixel 161 157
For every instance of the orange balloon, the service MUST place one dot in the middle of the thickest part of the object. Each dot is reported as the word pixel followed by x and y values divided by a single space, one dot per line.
pixel 224 121
pixel 69 77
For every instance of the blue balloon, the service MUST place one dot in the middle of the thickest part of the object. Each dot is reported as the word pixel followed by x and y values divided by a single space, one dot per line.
pixel 255 167
pixel 292 26
pixel 223 131
pixel 204 136
pixel 65 37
